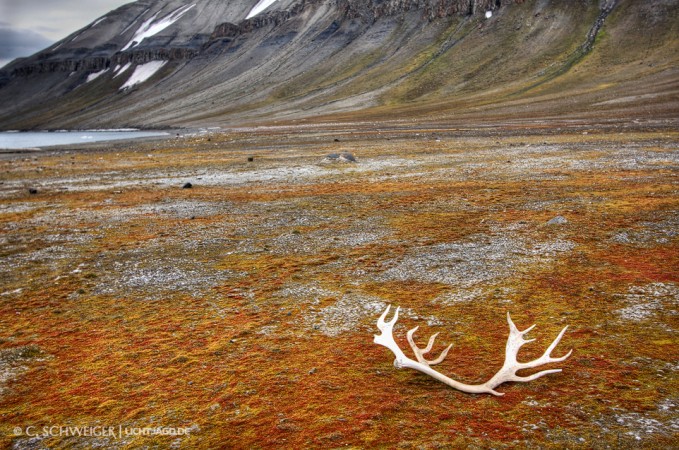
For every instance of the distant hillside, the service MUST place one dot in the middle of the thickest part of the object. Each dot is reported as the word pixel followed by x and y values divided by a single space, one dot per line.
pixel 157 63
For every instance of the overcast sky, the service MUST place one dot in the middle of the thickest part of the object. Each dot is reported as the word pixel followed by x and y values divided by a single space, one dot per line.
pixel 27 26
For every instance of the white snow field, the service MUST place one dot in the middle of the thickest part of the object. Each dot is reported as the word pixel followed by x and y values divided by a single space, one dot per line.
pixel 142 73
pixel 259 7
pixel 150 27
pixel 95 75
pixel 121 70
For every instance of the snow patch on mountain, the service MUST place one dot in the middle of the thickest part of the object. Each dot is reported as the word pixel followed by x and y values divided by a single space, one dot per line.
pixel 95 75
pixel 120 70
pixel 135 21
pixel 98 22
pixel 259 7
pixel 150 27
pixel 142 73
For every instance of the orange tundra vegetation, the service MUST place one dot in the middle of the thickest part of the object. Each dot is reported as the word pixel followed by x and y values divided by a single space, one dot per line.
pixel 243 309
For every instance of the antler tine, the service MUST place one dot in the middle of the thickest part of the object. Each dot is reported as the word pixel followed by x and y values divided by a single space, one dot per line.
pixel 381 322
pixel 442 356
pixel 386 338
pixel 420 352
pixel 535 375
pixel 553 345
pixel 546 357
pixel 416 349
pixel 514 330
pixel 430 344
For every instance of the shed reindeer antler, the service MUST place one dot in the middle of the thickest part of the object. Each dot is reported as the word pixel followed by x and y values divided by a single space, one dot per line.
pixel 507 373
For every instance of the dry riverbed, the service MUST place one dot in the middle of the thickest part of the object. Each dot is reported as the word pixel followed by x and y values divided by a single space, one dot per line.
pixel 242 309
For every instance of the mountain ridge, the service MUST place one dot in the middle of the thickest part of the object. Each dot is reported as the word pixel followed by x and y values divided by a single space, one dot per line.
pixel 304 58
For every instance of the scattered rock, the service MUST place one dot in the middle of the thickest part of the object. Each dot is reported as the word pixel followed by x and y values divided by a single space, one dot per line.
pixel 337 140
pixel 646 301
pixel 558 220
pixel 187 186
pixel 251 158
pixel 622 238
pixel 344 157
pixel 347 157
pixel 32 191
pixel 312 371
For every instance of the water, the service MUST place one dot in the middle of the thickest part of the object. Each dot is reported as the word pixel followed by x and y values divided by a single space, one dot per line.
pixel 33 139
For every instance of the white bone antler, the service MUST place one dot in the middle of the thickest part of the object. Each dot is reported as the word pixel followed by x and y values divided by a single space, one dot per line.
pixel 505 374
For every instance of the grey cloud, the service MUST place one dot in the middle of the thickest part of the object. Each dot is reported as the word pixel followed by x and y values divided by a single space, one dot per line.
pixel 27 26
pixel 41 29
pixel 55 19
pixel 15 42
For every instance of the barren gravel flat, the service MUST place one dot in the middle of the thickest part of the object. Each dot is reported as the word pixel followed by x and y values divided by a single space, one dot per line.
pixel 243 308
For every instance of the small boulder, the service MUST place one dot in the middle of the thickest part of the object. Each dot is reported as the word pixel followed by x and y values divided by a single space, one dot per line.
pixel 32 191
pixel 344 157
pixel 347 157
pixel 187 186
pixel 558 220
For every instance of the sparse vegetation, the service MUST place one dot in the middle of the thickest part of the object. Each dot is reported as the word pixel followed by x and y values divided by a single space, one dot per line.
pixel 252 323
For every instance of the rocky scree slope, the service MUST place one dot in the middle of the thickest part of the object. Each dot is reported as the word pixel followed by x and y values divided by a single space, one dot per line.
pixel 157 63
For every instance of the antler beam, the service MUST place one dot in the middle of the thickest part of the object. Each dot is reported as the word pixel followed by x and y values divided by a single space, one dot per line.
pixel 505 374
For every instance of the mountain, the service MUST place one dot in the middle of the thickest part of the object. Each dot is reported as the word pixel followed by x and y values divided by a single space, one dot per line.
pixel 173 63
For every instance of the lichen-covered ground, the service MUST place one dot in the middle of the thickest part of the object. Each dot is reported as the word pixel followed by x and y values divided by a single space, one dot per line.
pixel 244 308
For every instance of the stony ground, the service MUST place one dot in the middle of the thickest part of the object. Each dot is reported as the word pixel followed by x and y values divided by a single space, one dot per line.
pixel 244 307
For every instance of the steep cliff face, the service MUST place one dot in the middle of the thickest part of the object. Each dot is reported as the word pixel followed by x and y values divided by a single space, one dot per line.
pixel 430 9
pixel 204 61
pixel 139 31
